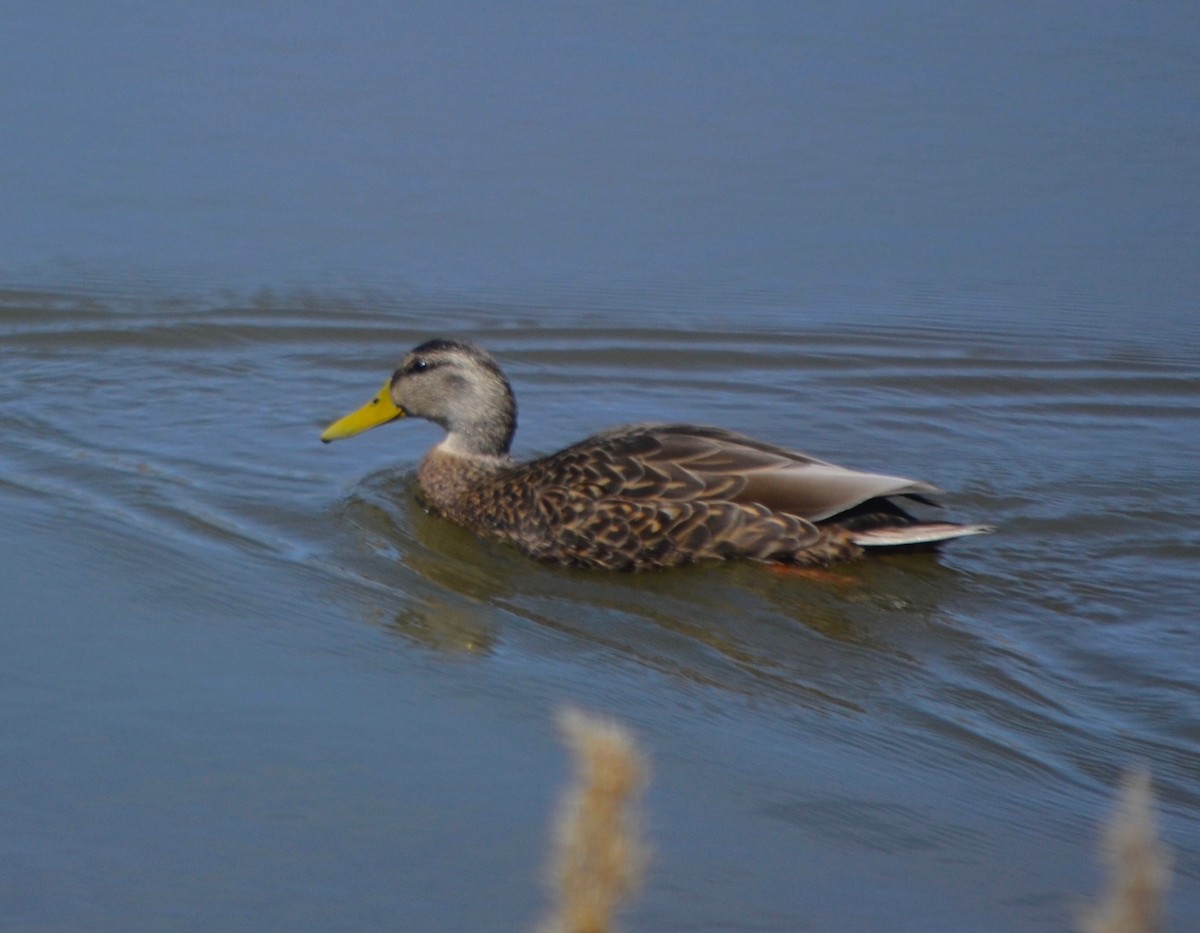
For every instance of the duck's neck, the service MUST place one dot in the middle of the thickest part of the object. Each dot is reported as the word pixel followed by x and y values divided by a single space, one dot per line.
pixel 485 429
pixel 485 441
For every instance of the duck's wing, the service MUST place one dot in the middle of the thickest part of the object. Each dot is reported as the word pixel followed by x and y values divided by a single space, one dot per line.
pixel 680 462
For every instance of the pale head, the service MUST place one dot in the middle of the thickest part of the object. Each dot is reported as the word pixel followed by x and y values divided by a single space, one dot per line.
pixel 453 384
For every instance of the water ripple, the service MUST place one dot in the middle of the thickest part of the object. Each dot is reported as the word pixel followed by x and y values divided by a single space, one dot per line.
pixel 1054 652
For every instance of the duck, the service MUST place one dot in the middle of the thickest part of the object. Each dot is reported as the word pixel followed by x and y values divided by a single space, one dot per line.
pixel 640 496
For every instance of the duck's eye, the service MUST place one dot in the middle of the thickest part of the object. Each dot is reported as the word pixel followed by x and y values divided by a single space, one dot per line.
pixel 418 366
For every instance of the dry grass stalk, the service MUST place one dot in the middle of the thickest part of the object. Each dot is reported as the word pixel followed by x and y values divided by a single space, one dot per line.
pixel 1139 865
pixel 598 853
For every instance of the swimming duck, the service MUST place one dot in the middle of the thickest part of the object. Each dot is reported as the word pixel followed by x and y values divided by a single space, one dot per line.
pixel 636 497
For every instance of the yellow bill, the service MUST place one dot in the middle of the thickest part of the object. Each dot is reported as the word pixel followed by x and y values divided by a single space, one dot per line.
pixel 380 410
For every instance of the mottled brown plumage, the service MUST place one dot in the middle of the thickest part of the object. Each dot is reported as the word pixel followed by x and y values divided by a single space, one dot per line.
pixel 640 496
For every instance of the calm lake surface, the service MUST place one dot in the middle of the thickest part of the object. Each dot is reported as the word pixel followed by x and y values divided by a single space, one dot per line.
pixel 246 683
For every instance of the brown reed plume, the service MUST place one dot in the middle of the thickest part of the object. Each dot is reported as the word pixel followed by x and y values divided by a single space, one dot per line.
pixel 1139 866
pixel 598 856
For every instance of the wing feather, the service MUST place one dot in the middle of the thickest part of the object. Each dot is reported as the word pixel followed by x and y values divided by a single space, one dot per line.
pixel 679 462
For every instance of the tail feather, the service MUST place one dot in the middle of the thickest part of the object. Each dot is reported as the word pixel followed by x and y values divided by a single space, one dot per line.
pixel 916 534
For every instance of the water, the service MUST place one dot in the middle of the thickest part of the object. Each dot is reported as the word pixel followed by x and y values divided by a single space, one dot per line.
pixel 246 683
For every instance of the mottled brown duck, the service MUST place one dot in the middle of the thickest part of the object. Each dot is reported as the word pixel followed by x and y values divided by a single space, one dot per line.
pixel 636 497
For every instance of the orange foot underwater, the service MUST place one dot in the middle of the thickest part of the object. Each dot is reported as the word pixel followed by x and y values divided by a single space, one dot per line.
pixel 815 574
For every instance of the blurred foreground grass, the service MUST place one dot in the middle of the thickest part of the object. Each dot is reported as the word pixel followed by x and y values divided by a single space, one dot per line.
pixel 599 857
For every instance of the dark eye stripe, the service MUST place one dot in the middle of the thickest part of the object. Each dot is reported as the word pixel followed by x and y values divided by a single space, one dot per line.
pixel 417 366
